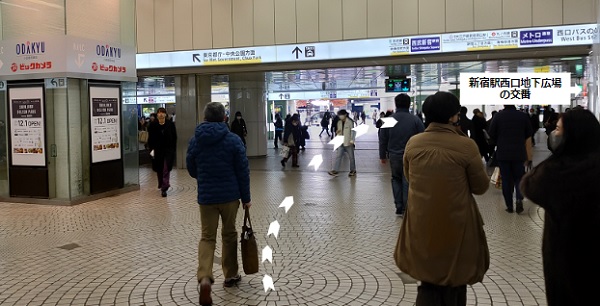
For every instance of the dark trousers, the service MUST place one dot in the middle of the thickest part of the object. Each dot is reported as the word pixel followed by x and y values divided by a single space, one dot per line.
pixel 163 176
pixel 325 129
pixel 293 155
pixel 511 173
pixel 278 137
pixel 399 184
pixel 434 295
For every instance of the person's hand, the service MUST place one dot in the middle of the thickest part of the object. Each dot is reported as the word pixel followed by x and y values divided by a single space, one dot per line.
pixel 247 205
pixel 528 164
pixel 383 161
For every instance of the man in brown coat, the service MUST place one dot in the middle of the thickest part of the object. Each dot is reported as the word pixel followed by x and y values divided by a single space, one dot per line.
pixel 442 242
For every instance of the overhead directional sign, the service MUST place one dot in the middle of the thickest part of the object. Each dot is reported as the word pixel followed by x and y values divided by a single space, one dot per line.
pixel 55 83
pixel 551 36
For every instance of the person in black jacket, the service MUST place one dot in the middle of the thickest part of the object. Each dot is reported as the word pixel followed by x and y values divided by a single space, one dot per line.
pixel 511 131
pixel 278 130
pixel 534 117
pixel 334 123
pixel 162 141
pixel 466 125
pixel 478 134
pixel 325 124
pixel 291 139
pixel 566 186
pixel 238 127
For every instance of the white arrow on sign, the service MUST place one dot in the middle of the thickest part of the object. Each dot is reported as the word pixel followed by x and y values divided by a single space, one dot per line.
pixel 79 61
pixel 1 64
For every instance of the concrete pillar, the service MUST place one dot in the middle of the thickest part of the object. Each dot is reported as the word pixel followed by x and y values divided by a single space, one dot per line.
pixel 247 95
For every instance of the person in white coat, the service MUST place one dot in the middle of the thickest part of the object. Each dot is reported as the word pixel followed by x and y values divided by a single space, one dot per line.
pixel 344 129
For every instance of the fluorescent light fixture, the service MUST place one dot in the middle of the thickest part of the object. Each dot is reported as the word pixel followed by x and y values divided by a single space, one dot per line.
pixel 19 6
pixel 46 4
pixel 570 58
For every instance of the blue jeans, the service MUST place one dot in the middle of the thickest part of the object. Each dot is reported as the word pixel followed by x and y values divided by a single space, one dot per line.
pixel 399 184
pixel 511 173
pixel 338 159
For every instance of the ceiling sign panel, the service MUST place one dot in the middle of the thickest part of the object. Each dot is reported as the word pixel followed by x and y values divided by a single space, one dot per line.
pixel 585 34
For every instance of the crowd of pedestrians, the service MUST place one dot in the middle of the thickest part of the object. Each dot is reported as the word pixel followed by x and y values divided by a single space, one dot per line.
pixel 437 166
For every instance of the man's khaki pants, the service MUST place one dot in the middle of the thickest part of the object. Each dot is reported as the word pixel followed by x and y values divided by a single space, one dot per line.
pixel 209 216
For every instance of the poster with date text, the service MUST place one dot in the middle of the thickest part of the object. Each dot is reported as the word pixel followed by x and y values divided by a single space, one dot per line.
pixel 105 123
pixel 27 135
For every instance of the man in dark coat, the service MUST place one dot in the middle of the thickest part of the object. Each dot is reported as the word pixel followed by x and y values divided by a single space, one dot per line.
pixel 511 131
pixel 162 142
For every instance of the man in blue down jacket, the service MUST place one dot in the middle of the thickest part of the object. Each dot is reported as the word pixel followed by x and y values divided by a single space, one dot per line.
pixel 217 159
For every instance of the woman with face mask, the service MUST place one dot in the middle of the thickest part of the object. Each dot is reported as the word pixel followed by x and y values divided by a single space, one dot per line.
pixel 238 127
pixel 566 186
pixel 162 141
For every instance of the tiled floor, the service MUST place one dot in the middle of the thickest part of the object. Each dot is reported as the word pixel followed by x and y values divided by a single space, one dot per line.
pixel 335 245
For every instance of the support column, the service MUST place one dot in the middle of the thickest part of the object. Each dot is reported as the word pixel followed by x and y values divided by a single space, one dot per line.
pixel 192 93
pixel 247 95
pixel 594 89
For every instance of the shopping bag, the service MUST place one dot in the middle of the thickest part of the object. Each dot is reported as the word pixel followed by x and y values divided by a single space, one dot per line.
pixel 285 151
pixel 143 136
pixel 249 247
pixel 496 178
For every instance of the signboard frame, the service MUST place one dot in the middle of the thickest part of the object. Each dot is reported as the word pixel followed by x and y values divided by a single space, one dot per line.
pixel 21 176
pixel 106 174
pixel 100 155
pixel 17 160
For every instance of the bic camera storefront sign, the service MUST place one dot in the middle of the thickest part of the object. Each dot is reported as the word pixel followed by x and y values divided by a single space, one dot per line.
pixel 585 34
pixel 65 56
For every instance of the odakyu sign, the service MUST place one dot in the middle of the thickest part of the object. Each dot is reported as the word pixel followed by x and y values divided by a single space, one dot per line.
pixel 552 36
pixel 66 56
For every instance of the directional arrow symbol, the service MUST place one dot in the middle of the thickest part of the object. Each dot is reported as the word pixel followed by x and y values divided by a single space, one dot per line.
pixel 287 203
pixel 274 229
pixel 1 64
pixel 316 161
pixel 268 283
pixel 388 122
pixel 267 254
pixel 53 82
pixel 575 90
pixel 361 130
pixel 337 142
pixel 196 57
pixel 296 51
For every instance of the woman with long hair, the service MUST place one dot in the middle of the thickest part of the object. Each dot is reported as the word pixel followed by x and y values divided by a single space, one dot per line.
pixel 566 186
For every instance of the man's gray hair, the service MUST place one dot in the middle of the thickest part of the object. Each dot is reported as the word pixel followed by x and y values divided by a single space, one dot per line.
pixel 214 112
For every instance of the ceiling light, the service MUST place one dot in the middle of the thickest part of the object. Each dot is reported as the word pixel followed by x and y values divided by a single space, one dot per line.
pixel 570 58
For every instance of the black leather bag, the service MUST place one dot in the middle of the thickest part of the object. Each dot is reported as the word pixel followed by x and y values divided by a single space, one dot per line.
pixel 249 246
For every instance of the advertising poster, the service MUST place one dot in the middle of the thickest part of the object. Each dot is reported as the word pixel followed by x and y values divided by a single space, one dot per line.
pixel 28 145
pixel 105 123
